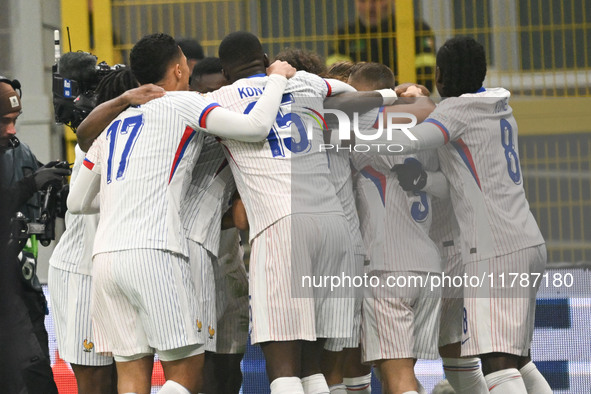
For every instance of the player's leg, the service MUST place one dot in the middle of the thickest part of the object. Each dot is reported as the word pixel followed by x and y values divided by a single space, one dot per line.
pixel 503 353
pixel 532 378
pixel 398 375
pixel 463 374
pixel 70 301
pixel 222 373
pixel 332 366
pixel 95 379
pixel 388 338
pixel 160 302
pixel 356 375
pixel 281 319
pixel 202 274
pixel 222 369
pixel 283 365
pixel 185 371
pixel 313 380
pixel 134 375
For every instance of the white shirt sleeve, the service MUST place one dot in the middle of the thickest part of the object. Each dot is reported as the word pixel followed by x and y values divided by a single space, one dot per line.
pixel 83 196
pixel 84 192
pixel 255 126
pixel 337 87
pixel 437 184
pixel 424 136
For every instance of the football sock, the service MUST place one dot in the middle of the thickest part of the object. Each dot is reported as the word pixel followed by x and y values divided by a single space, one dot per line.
pixel 359 384
pixel 315 384
pixel 287 385
pixel 505 381
pixel 465 375
pixel 534 380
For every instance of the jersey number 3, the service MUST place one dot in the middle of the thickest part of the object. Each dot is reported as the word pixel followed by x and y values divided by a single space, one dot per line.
pixel 125 132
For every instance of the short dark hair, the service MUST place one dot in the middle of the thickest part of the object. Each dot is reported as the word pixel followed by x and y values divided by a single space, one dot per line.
pixel 209 65
pixel 115 84
pixel 151 55
pixel 191 48
pixel 303 60
pixel 238 48
pixel 462 66
pixel 376 75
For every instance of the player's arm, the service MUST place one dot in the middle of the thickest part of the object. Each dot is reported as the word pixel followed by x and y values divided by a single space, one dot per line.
pixel 254 126
pixel 415 139
pixel 83 197
pixel 105 113
pixel 350 101
pixel 236 215
pixel 413 99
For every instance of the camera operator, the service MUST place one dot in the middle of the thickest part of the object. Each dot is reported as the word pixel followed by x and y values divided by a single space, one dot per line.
pixel 25 365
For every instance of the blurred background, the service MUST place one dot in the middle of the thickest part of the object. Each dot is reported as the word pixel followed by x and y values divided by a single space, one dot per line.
pixel 538 49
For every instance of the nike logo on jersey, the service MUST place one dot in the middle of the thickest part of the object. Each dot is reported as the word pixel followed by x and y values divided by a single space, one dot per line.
pixel 465 340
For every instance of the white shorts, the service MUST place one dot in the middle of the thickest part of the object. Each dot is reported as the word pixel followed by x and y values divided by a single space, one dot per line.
pixel 400 323
pixel 501 319
pixel 231 283
pixel 352 342
pixel 70 306
pixel 452 303
pixel 143 301
pixel 203 278
pixel 283 308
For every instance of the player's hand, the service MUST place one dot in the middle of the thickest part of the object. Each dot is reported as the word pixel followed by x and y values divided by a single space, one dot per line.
pixel 49 173
pixel 411 176
pixel 282 68
pixel 412 90
pixel 143 94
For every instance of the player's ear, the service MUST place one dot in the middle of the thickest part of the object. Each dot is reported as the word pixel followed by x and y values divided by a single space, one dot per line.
pixel 266 60
pixel 438 76
pixel 177 71
pixel 225 74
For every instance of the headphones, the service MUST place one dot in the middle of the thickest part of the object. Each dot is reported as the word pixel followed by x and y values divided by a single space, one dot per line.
pixel 16 85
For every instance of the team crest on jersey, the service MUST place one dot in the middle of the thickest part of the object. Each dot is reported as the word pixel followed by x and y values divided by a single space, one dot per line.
pixel 88 346
pixel 199 325
pixel 211 331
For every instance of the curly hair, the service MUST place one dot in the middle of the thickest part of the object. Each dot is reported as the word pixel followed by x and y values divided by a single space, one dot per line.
pixel 114 84
pixel 462 66
pixel 151 55
pixel 303 60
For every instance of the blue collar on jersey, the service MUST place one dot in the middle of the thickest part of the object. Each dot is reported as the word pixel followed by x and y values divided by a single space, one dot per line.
pixel 257 75
pixel 482 89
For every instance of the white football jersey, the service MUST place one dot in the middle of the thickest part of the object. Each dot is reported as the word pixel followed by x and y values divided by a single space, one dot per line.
pixel 404 217
pixel 340 175
pixel 481 162
pixel 286 173
pixel 73 252
pixel 445 231
pixel 208 196
pixel 145 158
